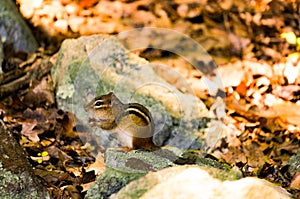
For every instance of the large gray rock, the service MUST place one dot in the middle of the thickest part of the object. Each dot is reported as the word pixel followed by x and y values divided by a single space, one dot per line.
pixel 14 32
pixel 94 65
pixel 195 182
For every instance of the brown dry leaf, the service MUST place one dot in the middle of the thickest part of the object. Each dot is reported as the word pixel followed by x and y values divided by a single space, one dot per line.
pixel 37 115
pixel 188 10
pixel 262 84
pixel 110 9
pixel 225 4
pixel 296 181
pixel 208 43
pixel 289 112
pixel 272 53
pixel 41 95
pixel 142 17
pixel 221 36
pixel 270 99
pixel 67 121
pixel 267 117
pixel 277 114
pixel 94 26
pixel 53 176
pixel 250 153
pixel 232 74
pixel 241 89
pixel 241 5
pixel 273 22
pixel 272 123
pixel 232 133
pixel 240 29
pixel 259 68
pixel 209 39
pixel 87 186
pixel 292 72
pixel 233 103
pixel 27 130
pixel 285 92
pixel 98 166
pixel 254 153
pixel 233 155
pixel 55 152
pixel 87 3
pixel 238 43
pixel 72 167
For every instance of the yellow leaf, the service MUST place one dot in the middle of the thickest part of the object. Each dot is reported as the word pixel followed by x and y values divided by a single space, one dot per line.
pixel 44 153
pixel 298 41
pixel 295 55
pixel 290 37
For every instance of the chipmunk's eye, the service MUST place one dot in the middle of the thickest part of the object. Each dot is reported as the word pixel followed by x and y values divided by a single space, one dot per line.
pixel 98 103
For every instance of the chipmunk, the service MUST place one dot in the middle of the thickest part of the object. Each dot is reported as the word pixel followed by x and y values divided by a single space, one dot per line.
pixel 132 123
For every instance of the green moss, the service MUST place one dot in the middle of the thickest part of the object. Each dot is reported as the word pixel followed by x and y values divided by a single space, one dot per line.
pixel 137 193
pixel 225 171
pixel 139 188
pixel 294 163
pixel 16 186
pixel 110 182
pixel 73 69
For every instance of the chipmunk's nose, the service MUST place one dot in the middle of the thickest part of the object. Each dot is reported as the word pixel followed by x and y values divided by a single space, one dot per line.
pixel 89 106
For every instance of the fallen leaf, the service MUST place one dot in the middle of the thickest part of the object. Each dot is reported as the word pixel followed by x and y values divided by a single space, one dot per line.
pixel 27 130
pixel 285 92
pixel 290 112
pixel 296 181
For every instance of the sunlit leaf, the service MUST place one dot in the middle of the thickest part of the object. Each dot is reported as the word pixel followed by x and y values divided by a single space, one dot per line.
pixel 298 41
pixel 290 37
pixel 295 55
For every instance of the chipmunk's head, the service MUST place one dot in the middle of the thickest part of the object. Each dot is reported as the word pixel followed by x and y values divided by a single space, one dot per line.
pixel 103 111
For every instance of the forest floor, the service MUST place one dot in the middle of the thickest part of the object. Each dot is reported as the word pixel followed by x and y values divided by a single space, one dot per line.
pixel 255 45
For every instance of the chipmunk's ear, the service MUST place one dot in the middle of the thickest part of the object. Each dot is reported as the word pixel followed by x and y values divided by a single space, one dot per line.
pixel 112 96
pixel 114 99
